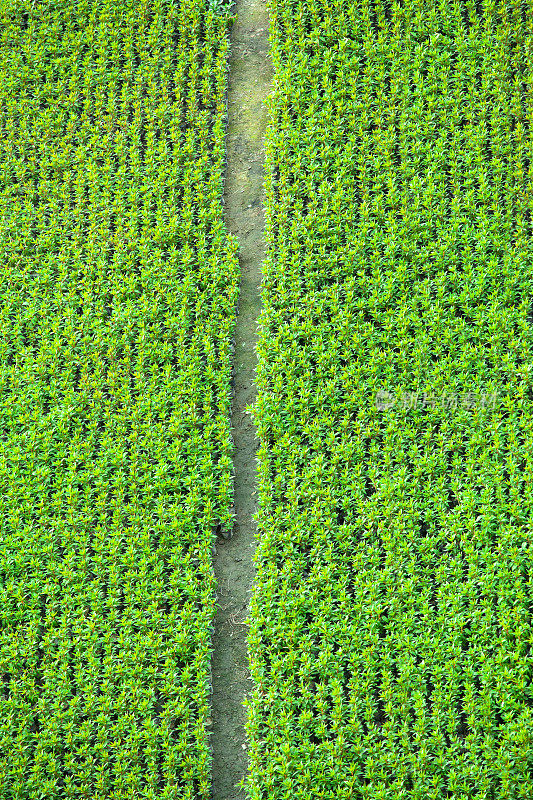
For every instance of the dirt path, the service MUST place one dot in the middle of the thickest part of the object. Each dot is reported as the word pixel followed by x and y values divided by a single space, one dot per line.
pixel 249 84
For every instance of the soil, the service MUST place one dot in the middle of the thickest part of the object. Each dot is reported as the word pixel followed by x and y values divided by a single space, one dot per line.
pixel 250 83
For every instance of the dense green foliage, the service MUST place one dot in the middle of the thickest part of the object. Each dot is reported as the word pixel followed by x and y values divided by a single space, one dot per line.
pixel 391 624
pixel 118 288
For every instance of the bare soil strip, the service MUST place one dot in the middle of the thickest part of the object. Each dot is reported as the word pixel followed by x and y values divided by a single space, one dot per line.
pixel 249 85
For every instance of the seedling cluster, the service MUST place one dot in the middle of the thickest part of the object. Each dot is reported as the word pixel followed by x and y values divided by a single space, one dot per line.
pixel 118 290
pixel 391 622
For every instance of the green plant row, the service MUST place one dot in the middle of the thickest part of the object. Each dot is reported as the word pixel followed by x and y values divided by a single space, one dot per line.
pixel 391 622
pixel 117 295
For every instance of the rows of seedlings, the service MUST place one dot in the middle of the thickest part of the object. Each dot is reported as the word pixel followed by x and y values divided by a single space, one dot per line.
pixel 117 295
pixel 391 622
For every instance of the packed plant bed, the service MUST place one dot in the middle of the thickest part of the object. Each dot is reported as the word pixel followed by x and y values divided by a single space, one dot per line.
pixel 118 290
pixel 391 618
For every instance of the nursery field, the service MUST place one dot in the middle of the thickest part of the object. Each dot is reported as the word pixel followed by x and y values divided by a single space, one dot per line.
pixel 118 290
pixel 391 623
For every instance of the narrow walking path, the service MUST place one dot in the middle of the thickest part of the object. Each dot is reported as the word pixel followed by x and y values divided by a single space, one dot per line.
pixel 249 85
